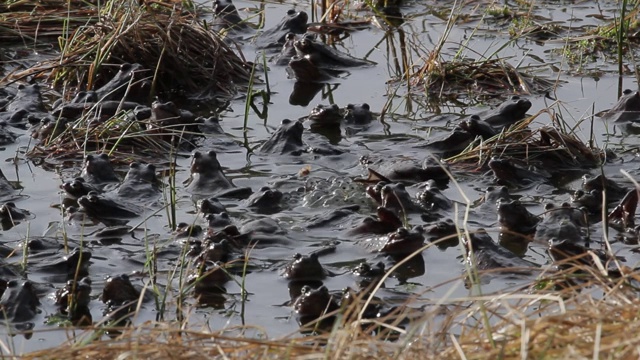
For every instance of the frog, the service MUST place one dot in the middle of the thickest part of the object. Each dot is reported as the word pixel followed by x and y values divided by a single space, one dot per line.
pixel 304 268
pixel 287 139
pixel 600 183
pixel 127 84
pixel 266 201
pixel 398 244
pixel 305 70
pixel 11 215
pixel 561 223
pixel 77 261
pixel 98 171
pixel 387 221
pixel 49 128
pixel 622 217
pixel 443 233
pixel 118 291
pixel 78 187
pixel 451 144
pixel 488 255
pixel 98 111
pixel 218 221
pixel 140 183
pixel 405 170
pixel 393 196
pixel 475 126
pixel 74 295
pixel 567 254
pixel 7 190
pixel 513 173
pixel 288 51
pixel 19 302
pixel 514 217
pixel 358 114
pixel 227 18
pixel 327 57
pixel 590 201
pixel 107 209
pixel 168 119
pixel 369 275
pixel 7 137
pixel 25 108
pixel 507 113
pixel 207 178
pixel 313 303
pixel 214 251
pixel 208 277
pixel 431 198
pixel 325 116
pixel 211 205
pixel 627 109
pixel 293 22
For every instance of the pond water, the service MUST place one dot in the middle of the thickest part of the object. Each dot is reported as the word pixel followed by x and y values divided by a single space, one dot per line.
pixel 407 118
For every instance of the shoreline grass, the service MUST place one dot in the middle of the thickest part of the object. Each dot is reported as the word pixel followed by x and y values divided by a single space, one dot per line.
pixel 578 312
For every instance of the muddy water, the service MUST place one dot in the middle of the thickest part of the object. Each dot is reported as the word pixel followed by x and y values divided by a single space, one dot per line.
pixel 407 119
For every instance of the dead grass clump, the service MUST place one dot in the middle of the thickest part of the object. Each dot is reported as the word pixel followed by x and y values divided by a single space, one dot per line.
pixel 479 77
pixel 120 136
pixel 183 55
pixel 582 312
pixel 25 21
pixel 552 145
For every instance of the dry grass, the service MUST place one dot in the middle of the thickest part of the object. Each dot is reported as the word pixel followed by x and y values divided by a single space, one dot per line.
pixel 165 37
pixel 551 144
pixel 480 77
pixel 580 312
